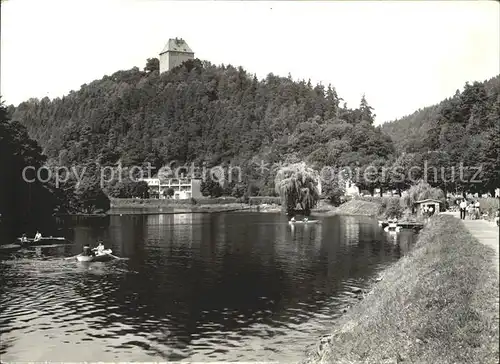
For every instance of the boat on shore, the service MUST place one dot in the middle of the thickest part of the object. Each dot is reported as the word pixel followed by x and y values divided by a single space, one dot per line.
pixel 98 257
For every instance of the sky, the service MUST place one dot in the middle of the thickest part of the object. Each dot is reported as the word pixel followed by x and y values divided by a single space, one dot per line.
pixel 402 55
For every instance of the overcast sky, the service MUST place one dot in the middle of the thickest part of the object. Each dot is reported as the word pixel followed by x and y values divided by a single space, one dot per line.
pixel 402 55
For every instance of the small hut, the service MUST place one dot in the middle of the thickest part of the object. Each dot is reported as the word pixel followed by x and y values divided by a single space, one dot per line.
pixel 427 203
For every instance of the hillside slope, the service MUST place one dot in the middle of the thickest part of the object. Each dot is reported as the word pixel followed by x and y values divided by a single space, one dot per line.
pixel 199 113
pixel 473 112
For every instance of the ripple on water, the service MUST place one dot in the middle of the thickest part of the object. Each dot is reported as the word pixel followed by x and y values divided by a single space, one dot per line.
pixel 167 308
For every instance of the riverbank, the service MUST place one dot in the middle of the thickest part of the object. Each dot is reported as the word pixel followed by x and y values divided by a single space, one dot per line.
pixel 439 304
pixel 353 207
pixel 152 206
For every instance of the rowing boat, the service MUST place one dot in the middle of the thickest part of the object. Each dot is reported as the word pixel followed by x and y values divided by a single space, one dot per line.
pixel 99 257
pixel 303 222
pixel 43 241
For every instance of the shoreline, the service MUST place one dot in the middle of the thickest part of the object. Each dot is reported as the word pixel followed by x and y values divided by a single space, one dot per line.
pixel 160 207
pixel 434 305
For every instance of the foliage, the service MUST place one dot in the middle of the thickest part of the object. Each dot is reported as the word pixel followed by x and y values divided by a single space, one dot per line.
pixel 296 185
pixel 129 189
pixel 422 191
pixel 91 198
pixel 260 200
pixel 211 188
pixel 464 129
pixel 392 208
pixel 169 192
pixel 23 201
pixel 200 113
pixel 489 206
pixel 152 64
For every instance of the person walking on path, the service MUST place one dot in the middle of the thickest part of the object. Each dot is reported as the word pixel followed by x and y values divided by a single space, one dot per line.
pixel 463 206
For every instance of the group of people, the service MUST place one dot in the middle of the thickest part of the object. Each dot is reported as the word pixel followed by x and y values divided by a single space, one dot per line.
pixel 428 210
pixel 24 238
pixel 470 209
pixel 88 251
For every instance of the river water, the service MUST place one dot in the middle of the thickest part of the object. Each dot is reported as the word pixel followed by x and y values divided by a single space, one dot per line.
pixel 196 287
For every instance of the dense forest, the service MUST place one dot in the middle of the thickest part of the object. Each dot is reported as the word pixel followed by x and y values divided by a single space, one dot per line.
pixel 221 115
pixel 201 113
pixel 27 194
pixel 463 128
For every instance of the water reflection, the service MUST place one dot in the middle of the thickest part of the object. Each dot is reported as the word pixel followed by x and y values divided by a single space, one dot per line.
pixel 239 287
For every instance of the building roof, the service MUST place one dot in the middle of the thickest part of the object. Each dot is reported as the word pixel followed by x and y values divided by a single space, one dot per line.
pixel 176 45
pixel 428 200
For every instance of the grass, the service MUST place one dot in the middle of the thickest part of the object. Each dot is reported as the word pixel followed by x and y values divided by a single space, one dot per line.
pixel 439 304
pixel 358 207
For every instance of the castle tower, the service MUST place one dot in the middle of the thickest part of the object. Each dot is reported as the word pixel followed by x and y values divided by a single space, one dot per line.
pixel 174 54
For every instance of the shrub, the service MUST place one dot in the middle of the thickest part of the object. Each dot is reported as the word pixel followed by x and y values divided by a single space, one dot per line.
pixel 259 200
pixel 489 206
pixel 393 208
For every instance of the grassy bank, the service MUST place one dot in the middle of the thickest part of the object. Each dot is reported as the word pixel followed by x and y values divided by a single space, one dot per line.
pixel 353 207
pixel 155 203
pixel 439 304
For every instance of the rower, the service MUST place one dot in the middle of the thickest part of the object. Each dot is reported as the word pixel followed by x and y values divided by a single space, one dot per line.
pixel 24 239
pixel 100 248
pixel 87 251
pixel 305 219
pixel 38 236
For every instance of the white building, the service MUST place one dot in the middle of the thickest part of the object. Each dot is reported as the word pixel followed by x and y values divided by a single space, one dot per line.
pixel 174 54
pixel 350 189
pixel 184 188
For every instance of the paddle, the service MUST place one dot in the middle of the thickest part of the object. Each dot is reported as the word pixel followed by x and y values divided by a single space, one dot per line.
pixel 114 256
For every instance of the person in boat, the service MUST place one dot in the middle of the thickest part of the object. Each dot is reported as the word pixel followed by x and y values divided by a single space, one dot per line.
pixel 38 236
pixel 24 238
pixel 292 219
pixel 100 248
pixel 87 251
pixel 305 219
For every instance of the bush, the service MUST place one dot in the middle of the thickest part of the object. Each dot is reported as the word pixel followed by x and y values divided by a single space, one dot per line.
pixel 259 200
pixel 489 206
pixel 336 197
pixel 393 208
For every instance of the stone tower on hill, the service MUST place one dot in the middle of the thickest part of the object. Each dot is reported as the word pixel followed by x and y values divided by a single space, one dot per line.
pixel 174 54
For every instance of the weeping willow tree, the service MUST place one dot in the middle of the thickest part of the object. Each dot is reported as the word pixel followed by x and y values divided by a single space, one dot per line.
pixel 297 186
pixel 421 191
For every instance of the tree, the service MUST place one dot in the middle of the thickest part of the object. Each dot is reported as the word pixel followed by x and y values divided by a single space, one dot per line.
pixel 152 64
pixel 491 161
pixel 422 191
pixel 297 185
pixel 91 198
pixel 24 199
pixel 169 192
pixel 366 111
pixel 211 188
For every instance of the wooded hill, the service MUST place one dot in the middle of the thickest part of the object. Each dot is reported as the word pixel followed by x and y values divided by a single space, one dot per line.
pixel 465 127
pixel 198 113
pixel 223 115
